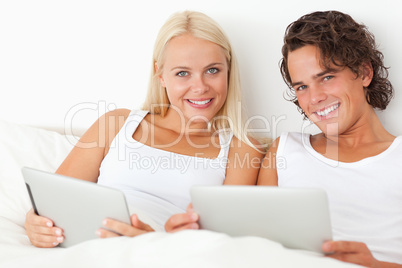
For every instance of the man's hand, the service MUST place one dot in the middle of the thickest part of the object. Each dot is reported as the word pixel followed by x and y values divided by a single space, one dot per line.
pixel 353 252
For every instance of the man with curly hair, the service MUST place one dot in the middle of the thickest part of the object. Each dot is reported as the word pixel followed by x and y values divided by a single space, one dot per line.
pixel 337 79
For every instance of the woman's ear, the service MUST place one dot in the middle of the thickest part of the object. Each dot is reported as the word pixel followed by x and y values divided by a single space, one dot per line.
pixel 161 80
pixel 367 74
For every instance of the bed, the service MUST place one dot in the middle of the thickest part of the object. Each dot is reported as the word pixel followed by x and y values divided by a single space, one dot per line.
pixel 22 145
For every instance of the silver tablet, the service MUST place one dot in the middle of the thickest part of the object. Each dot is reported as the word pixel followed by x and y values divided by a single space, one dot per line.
pixel 76 206
pixel 297 218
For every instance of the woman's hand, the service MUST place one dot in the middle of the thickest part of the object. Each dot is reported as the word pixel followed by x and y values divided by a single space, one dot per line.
pixel 41 231
pixel 118 228
pixel 178 222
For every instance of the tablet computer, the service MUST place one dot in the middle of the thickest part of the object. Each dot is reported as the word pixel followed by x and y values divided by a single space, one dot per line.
pixel 298 218
pixel 76 206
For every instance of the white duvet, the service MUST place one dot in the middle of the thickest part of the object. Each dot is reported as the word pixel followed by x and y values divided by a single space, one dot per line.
pixel 42 149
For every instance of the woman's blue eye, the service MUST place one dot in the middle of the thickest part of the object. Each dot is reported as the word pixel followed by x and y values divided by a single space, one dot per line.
pixel 212 71
pixel 182 73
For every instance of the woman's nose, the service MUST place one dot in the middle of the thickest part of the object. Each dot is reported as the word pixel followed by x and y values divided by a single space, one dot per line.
pixel 199 84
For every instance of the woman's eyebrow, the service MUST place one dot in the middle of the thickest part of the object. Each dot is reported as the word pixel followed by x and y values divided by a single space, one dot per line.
pixel 214 64
pixel 188 68
pixel 180 67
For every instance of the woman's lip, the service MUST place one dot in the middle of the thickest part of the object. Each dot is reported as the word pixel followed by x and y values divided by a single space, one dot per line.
pixel 200 99
pixel 199 103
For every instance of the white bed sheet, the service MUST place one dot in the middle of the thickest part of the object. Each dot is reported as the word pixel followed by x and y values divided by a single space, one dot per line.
pixel 43 149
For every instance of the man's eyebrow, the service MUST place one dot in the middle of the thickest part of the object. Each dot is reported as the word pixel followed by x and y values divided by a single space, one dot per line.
pixel 321 74
pixel 325 72
pixel 296 84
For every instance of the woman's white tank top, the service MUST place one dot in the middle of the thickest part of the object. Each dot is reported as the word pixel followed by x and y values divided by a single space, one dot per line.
pixel 157 182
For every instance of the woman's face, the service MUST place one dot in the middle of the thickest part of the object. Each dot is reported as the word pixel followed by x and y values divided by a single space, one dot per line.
pixel 195 75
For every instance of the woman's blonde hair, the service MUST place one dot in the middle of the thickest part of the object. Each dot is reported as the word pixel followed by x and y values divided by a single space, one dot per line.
pixel 200 26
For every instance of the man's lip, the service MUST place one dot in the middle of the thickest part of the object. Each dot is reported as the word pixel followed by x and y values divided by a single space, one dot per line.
pixel 327 109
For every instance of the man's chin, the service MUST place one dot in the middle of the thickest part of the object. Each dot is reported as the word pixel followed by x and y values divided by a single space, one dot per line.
pixel 331 129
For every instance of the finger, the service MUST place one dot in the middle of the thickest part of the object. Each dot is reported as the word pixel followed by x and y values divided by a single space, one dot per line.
pixel 135 221
pixel 179 220
pixel 40 231
pixel 356 258
pixel 53 231
pixel 41 240
pixel 121 228
pixel 190 226
pixel 190 207
pixel 114 226
pixel 33 219
pixel 45 244
pixel 103 233
pixel 353 252
pixel 344 247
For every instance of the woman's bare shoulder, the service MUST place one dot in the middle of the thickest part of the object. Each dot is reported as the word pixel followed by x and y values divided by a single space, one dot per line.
pixel 118 114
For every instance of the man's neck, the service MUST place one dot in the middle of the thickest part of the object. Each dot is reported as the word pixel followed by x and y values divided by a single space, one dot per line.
pixel 364 139
pixel 368 130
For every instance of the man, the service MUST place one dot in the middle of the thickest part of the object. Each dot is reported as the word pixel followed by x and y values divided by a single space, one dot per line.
pixel 337 76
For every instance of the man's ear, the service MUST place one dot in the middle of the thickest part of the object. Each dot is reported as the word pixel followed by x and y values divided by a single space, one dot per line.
pixel 367 74
pixel 161 80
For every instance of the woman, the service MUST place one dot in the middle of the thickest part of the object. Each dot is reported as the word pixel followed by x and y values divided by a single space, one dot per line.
pixel 186 134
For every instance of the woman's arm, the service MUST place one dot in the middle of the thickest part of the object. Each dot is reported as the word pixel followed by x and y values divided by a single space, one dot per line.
pixel 83 162
pixel 244 163
pixel 268 174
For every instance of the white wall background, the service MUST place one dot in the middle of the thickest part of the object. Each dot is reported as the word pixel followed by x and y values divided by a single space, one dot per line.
pixel 64 63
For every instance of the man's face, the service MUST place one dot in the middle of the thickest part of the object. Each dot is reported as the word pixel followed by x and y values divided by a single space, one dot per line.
pixel 333 98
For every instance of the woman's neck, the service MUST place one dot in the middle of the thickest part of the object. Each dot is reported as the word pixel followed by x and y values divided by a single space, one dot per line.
pixel 177 122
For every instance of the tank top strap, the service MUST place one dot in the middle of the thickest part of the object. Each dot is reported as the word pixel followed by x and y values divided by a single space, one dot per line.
pixel 134 119
pixel 225 137
pixel 130 125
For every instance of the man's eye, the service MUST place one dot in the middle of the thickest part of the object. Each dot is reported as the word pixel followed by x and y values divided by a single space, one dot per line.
pixel 182 73
pixel 301 88
pixel 212 71
pixel 328 77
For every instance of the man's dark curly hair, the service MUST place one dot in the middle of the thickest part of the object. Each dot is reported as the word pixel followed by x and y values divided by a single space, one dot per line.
pixel 341 42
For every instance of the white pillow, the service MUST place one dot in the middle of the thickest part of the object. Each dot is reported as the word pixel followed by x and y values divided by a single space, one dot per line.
pixel 26 146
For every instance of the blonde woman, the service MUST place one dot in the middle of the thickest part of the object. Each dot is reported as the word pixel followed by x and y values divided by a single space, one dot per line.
pixel 186 134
